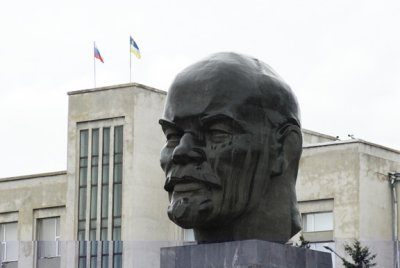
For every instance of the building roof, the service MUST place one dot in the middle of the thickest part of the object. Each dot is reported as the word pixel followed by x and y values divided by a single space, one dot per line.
pixel 34 176
pixel 350 141
pixel 119 86
pixel 319 134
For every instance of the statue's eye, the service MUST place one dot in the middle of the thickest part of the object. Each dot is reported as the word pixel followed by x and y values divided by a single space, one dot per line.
pixel 219 132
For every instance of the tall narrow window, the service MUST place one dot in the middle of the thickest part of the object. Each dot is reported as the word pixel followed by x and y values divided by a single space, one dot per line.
pixel 94 182
pixel 9 242
pixel 93 196
pixel 83 168
pixel 104 196
pixel 117 196
pixel 48 235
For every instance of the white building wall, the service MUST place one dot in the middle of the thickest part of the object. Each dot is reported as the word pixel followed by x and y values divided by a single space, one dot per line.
pixel 24 199
pixel 145 224
pixel 376 200
pixel 353 174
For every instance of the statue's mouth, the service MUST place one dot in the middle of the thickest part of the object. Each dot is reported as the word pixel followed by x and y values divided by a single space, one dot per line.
pixel 188 174
pixel 188 187
pixel 188 183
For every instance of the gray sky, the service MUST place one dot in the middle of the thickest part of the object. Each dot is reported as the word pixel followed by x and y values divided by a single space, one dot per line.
pixel 340 57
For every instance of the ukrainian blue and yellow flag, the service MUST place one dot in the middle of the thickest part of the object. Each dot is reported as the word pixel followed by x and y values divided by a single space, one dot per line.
pixel 134 48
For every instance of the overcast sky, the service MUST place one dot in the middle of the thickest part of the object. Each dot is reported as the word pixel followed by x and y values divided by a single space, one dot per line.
pixel 341 58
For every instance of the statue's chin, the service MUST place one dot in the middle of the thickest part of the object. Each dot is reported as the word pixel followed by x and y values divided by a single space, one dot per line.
pixel 189 211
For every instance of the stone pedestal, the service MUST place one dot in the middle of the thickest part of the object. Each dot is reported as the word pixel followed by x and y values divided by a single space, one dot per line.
pixel 243 254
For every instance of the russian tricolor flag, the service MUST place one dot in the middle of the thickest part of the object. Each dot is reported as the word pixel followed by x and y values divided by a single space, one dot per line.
pixel 97 54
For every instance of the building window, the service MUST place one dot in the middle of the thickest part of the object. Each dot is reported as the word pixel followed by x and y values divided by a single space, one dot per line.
pixel 188 235
pixel 117 196
pixel 317 222
pixel 9 242
pixel 93 183
pixel 83 170
pixel 105 174
pixel 48 236
pixel 101 160
pixel 94 177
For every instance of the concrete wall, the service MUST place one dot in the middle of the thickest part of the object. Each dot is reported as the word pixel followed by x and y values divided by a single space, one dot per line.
pixel 375 200
pixel 27 198
pixel 331 172
pixel 350 178
pixel 375 192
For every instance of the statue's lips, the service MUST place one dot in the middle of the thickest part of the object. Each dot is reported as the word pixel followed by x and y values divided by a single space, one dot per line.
pixel 199 173
pixel 188 187
pixel 187 183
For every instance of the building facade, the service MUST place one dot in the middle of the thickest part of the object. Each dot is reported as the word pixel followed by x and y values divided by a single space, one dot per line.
pixel 114 184
pixel 344 193
pixel 108 209
pixel 32 218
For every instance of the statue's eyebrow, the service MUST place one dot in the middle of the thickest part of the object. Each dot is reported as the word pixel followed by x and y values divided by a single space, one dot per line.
pixel 209 119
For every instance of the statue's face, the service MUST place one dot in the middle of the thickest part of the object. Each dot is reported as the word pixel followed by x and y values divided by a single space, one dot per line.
pixel 216 158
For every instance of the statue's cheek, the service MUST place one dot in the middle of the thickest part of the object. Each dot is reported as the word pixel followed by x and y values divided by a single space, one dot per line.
pixel 232 161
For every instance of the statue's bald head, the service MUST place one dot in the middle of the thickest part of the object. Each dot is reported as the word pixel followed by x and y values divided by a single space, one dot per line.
pixel 232 77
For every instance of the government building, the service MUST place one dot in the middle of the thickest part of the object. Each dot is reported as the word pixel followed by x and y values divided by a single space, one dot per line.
pixel 108 208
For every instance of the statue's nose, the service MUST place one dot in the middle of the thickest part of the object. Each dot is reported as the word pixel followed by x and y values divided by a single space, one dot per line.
pixel 187 152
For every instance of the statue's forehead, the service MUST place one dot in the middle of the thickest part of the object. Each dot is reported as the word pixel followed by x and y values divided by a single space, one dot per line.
pixel 193 99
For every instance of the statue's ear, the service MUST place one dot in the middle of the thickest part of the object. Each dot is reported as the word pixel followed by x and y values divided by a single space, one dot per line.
pixel 288 148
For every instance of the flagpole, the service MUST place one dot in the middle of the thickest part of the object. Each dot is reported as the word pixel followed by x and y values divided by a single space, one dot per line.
pixel 133 48
pixel 94 65
pixel 130 63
